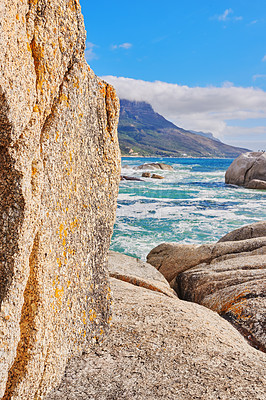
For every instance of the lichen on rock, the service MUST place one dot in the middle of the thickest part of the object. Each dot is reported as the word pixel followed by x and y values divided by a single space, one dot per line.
pixel 59 176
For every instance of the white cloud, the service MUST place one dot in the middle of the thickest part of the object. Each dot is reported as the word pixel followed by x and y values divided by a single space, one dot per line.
pixel 227 16
pixel 89 51
pixel 227 84
pixel 223 17
pixel 125 45
pixel 208 109
pixel 258 76
pixel 264 58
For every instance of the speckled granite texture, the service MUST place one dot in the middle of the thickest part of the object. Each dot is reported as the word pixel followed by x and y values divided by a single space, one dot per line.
pixel 160 347
pixel 59 178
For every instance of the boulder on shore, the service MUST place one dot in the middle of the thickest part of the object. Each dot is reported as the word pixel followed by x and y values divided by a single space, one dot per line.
pixel 154 166
pixel 228 277
pixel 248 170
pixel 162 348
pixel 258 229
pixel 59 176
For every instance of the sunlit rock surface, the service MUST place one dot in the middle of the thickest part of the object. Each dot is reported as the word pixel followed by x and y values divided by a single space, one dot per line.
pixel 249 170
pixel 58 185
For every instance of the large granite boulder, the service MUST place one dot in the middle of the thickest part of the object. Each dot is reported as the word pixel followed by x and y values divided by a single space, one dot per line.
pixel 227 277
pixel 59 180
pixel 161 347
pixel 258 229
pixel 249 170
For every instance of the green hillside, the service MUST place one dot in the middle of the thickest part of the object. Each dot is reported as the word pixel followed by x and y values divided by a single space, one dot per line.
pixel 143 132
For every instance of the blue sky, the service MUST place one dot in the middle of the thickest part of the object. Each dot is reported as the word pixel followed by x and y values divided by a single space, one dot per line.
pixel 186 51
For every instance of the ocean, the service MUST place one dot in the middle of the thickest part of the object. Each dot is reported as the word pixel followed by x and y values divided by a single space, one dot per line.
pixel 192 204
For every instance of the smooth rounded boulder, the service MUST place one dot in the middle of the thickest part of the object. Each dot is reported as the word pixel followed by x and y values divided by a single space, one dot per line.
pixel 258 229
pixel 227 277
pixel 248 170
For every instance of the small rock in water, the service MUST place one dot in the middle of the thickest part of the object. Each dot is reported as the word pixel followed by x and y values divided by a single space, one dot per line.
pixel 155 176
pixel 154 166
pixel 146 174
pixel 129 178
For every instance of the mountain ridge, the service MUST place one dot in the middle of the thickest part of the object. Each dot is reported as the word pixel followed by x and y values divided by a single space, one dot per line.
pixel 144 132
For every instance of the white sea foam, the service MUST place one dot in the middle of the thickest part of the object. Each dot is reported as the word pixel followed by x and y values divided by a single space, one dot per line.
pixel 190 205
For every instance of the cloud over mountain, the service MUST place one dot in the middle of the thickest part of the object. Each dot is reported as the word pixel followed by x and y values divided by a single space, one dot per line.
pixel 236 115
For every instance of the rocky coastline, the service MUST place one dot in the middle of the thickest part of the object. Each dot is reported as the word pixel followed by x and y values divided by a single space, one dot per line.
pixel 75 321
pixel 161 347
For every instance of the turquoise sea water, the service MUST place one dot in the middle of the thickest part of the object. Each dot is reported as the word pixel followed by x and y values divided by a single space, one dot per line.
pixel 191 204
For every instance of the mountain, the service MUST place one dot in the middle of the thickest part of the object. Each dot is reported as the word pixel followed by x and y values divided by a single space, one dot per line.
pixel 143 132
pixel 206 134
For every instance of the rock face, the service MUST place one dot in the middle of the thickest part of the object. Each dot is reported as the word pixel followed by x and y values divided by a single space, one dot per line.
pixel 154 166
pixel 249 170
pixel 258 229
pixel 161 347
pixel 227 277
pixel 59 180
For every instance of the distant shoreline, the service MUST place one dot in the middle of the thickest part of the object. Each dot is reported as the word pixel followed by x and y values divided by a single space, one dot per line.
pixel 186 158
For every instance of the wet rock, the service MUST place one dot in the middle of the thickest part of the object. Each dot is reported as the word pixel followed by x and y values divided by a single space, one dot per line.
pixel 155 176
pixel 130 178
pixel 256 184
pixel 58 184
pixel 146 174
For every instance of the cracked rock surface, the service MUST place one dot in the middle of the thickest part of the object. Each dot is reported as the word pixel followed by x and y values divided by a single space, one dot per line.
pixel 228 277
pixel 59 180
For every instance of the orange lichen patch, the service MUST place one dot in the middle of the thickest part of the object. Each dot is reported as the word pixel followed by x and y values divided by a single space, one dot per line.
pixel 84 319
pixel 35 108
pixel 59 295
pixel 38 56
pixel 238 310
pixel 28 329
pixel 64 99
pixel 92 315
pixel 239 298
pixel 17 17
pixel 76 82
